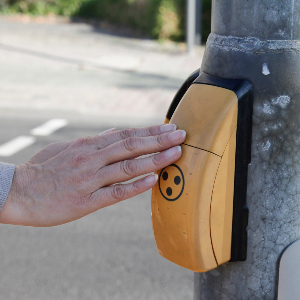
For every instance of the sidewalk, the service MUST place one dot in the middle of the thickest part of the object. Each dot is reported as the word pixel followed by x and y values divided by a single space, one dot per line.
pixel 75 67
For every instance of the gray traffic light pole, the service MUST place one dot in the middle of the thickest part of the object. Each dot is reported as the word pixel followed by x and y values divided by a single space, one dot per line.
pixel 259 41
pixel 193 24
pixel 190 25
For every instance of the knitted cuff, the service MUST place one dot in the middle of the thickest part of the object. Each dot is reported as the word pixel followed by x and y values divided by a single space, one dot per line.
pixel 6 176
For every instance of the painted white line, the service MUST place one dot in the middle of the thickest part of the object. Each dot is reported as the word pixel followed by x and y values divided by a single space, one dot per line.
pixel 49 127
pixel 15 145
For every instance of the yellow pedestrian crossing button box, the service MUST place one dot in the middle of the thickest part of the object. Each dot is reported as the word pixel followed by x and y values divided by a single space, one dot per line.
pixel 199 212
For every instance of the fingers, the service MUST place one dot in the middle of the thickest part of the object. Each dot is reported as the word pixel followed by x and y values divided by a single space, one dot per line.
pixel 107 131
pixel 128 169
pixel 116 193
pixel 137 146
pixel 48 152
pixel 108 138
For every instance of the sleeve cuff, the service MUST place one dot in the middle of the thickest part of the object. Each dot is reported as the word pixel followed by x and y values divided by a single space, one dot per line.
pixel 6 175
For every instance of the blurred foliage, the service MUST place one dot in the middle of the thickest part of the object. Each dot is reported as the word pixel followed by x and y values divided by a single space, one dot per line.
pixel 41 7
pixel 158 18
pixel 163 19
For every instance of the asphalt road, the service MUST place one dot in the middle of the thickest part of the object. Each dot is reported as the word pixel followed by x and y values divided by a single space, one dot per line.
pixel 75 67
pixel 110 254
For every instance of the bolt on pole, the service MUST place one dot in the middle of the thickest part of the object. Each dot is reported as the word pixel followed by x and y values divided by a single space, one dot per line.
pixel 260 41
pixel 190 25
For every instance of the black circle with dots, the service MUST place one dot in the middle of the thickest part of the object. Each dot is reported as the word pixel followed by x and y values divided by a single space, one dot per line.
pixel 177 180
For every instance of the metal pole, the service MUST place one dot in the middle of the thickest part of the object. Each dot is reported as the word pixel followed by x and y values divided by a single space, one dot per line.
pixel 190 25
pixel 260 41
pixel 198 38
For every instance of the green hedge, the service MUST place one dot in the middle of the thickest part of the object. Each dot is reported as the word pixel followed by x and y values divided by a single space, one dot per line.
pixel 163 19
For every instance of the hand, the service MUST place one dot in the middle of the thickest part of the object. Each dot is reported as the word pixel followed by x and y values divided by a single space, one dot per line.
pixel 66 181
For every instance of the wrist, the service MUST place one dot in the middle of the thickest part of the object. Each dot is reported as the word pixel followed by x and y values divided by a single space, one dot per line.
pixel 16 206
pixel 6 175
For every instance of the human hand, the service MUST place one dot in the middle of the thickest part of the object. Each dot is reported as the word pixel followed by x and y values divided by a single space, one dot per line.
pixel 66 181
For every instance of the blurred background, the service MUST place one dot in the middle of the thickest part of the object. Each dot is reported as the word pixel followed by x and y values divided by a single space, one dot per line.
pixel 72 68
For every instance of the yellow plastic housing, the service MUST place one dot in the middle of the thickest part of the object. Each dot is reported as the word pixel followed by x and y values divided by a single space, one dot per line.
pixel 192 203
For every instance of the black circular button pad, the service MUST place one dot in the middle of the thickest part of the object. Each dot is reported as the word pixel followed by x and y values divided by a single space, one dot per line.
pixel 171 182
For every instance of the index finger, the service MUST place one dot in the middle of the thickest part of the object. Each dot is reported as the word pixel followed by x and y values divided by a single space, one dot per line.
pixel 116 136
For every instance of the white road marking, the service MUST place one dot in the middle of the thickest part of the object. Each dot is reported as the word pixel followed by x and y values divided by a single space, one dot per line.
pixel 15 145
pixel 49 127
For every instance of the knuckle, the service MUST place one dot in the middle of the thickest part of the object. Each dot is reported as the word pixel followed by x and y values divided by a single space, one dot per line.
pixel 129 167
pixel 127 133
pixel 81 159
pixel 136 188
pixel 93 141
pixel 118 192
pixel 149 131
pixel 81 142
pixel 84 179
pixel 130 144
pixel 159 141
pixel 156 161
pixel 152 131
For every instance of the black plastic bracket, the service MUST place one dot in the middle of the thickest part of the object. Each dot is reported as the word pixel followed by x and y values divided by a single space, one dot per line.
pixel 185 86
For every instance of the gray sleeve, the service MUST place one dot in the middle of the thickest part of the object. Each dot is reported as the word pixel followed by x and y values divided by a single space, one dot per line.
pixel 6 176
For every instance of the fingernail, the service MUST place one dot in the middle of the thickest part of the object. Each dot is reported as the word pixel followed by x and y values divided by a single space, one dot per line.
pixel 172 151
pixel 151 178
pixel 107 131
pixel 177 135
pixel 168 127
